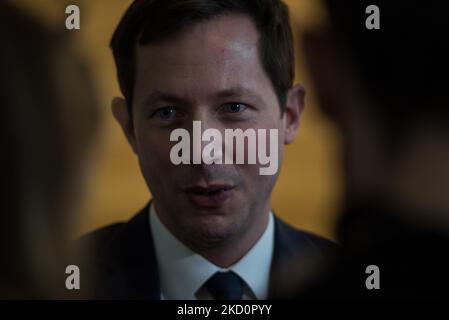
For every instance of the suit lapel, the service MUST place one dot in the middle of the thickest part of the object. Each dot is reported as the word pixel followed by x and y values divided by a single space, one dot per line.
pixel 290 246
pixel 128 267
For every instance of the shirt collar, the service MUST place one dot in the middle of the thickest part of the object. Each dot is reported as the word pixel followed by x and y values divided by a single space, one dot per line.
pixel 182 271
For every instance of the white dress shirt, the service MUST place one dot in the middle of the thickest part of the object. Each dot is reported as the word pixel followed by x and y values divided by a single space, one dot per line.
pixel 182 272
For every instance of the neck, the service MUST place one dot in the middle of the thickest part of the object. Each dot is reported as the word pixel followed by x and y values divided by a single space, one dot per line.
pixel 229 252
pixel 231 248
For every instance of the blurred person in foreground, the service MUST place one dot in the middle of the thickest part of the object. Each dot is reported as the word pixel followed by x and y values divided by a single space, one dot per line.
pixel 48 119
pixel 387 92
pixel 209 231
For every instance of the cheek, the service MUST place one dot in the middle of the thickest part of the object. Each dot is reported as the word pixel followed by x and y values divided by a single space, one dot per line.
pixel 257 186
pixel 154 149
pixel 154 161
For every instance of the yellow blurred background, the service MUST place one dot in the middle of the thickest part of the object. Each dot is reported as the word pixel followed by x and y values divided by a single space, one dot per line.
pixel 308 193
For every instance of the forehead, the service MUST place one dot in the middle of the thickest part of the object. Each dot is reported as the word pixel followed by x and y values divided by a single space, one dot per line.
pixel 210 55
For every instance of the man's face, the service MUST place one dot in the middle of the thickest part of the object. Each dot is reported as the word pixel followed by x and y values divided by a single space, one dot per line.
pixel 210 72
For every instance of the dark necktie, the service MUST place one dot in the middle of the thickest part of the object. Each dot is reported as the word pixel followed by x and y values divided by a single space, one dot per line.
pixel 225 286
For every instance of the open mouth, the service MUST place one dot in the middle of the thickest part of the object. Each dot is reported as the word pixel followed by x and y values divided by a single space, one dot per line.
pixel 214 189
pixel 210 196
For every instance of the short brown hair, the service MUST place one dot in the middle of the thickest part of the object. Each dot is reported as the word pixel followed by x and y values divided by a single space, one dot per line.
pixel 151 20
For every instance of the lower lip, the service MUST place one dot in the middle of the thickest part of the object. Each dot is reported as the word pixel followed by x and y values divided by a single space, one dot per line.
pixel 210 201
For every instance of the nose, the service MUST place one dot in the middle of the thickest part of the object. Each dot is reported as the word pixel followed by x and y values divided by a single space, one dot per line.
pixel 207 138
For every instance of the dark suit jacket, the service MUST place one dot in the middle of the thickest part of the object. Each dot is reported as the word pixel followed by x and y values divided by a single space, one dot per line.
pixel 123 263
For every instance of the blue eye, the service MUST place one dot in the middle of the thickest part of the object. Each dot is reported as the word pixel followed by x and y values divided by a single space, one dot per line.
pixel 166 112
pixel 234 107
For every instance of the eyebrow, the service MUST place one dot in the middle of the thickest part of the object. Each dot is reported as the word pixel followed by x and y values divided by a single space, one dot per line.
pixel 238 91
pixel 158 95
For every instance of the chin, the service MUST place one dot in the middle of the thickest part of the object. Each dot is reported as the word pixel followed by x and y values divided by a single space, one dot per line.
pixel 209 230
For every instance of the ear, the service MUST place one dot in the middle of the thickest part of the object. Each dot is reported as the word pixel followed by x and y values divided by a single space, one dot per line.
pixel 294 106
pixel 121 114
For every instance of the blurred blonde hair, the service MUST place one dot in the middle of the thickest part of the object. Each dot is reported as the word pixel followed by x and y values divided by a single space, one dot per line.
pixel 49 116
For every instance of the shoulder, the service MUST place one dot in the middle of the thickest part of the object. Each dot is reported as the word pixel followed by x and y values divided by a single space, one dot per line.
pixel 100 238
pixel 120 260
pixel 299 239
pixel 103 234
pixel 118 240
pixel 296 251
